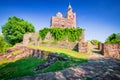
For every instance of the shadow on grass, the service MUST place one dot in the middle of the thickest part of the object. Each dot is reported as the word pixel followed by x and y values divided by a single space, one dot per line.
pixel 19 68
pixel 60 65
pixel 25 66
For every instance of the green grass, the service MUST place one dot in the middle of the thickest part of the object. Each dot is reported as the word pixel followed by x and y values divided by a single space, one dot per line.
pixel 3 61
pixel 25 66
pixel 60 65
pixel 22 67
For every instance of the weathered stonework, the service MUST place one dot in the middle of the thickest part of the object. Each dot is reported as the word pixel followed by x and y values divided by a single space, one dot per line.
pixel 30 38
pixel 100 47
pixel 48 37
pixel 64 22
pixel 24 52
pixel 83 47
pixel 61 44
pixel 111 50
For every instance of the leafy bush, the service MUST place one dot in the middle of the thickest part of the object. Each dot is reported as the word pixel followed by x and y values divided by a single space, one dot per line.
pixel 72 34
pixel 43 33
pixel 3 45
pixel 113 39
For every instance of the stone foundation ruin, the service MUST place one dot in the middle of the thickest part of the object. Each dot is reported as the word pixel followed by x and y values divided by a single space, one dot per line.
pixel 30 38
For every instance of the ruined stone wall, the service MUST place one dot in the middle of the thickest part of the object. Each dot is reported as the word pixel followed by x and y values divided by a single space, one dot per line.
pixel 111 50
pixel 83 47
pixel 24 52
pixel 30 38
pixel 49 41
pixel 100 47
pixel 61 44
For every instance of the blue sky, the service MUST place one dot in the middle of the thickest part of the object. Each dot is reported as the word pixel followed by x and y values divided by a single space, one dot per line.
pixel 99 18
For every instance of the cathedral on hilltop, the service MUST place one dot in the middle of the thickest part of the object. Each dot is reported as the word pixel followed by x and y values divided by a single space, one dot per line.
pixel 64 22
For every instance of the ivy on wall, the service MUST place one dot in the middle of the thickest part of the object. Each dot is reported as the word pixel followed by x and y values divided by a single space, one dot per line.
pixel 43 33
pixel 71 34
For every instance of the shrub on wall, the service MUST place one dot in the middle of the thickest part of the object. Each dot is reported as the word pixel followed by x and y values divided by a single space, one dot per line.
pixel 57 33
pixel 71 34
pixel 3 45
pixel 43 33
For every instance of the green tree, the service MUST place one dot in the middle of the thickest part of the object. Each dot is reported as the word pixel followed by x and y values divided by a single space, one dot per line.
pixel 15 28
pixel 113 39
pixel 3 45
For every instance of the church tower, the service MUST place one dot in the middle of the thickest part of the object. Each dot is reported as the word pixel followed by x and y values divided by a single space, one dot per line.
pixel 71 15
pixel 64 22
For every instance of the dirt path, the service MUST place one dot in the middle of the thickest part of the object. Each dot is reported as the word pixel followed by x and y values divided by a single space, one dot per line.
pixel 95 52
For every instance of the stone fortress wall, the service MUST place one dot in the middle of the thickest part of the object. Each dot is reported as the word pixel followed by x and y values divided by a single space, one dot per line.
pixel 110 50
pixel 80 46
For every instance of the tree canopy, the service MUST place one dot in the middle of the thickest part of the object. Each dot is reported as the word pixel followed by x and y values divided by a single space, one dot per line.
pixel 15 28
pixel 113 39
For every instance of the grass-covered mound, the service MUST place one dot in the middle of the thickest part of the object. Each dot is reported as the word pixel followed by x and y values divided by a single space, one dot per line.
pixel 25 66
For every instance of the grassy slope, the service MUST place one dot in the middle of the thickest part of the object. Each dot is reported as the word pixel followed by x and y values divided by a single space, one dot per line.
pixel 61 50
pixel 19 68
pixel 25 66
pixel 74 57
